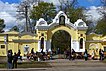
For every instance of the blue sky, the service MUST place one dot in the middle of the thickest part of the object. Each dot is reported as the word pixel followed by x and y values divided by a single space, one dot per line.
pixel 11 1
pixel 88 3
pixel 85 3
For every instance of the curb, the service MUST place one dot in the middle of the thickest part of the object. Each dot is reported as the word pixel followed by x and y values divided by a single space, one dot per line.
pixel 23 69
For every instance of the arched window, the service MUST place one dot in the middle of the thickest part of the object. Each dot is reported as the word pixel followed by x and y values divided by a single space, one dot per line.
pixel 81 43
pixel 62 20
pixel 42 43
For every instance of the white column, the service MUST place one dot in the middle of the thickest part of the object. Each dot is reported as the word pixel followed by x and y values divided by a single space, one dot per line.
pixel 39 48
pixel 83 46
pixel 76 45
pixel 48 45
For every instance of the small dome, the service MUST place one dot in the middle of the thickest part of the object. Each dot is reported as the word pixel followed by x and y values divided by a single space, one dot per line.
pixel 80 23
pixel 41 22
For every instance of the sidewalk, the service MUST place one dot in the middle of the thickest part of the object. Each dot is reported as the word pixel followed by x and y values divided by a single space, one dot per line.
pixel 23 69
pixel 76 63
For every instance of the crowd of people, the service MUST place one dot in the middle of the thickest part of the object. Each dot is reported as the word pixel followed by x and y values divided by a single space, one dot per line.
pixel 84 55
pixel 38 56
pixel 42 56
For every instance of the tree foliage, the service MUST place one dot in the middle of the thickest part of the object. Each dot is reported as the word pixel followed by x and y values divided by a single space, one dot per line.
pixel 101 26
pixel 2 25
pixel 71 9
pixel 103 2
pixel 43 10
pixel 14 28
pixel 75 13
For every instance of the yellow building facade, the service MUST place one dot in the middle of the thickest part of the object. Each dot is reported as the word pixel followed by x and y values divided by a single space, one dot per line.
pixel 26 41
pixel 94 43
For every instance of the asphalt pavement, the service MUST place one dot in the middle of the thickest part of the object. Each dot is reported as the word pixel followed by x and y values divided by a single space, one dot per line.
pixel 68 65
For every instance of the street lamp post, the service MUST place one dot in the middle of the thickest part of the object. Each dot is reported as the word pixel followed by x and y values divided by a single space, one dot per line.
pixel 6 42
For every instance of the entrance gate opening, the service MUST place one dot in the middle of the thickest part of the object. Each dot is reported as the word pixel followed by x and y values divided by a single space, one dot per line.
pixel 61 44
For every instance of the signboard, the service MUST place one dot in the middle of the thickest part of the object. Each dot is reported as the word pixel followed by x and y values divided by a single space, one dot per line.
pixel 6 38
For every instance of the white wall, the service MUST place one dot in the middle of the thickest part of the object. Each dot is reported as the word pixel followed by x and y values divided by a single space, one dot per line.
pixel 76 46
pixel 48 45
pixel 39 46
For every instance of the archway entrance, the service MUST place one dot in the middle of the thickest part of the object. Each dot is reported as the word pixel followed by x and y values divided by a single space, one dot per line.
pixel 61 44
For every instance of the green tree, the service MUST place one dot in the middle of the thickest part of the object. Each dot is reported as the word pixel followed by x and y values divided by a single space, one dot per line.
pixel 43 10
pixel 71 8
pixel 101 26
pixel 2 25
pixel 14 28
pixel 75 13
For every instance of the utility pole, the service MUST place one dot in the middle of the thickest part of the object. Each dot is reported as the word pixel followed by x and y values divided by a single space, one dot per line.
pixel 26 16
pixel 6 42
pixel 24 11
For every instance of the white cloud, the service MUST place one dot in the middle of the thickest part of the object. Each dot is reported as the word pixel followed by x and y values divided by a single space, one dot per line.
pixel 93 14
pixel 8 13
pixel 55 2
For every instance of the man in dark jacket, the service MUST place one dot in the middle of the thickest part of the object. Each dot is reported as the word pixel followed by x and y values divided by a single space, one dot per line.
pixel 10 58
pixel 15 58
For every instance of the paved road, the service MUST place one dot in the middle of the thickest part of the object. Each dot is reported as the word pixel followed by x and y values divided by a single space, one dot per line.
pixel 77 65
pixel 66 65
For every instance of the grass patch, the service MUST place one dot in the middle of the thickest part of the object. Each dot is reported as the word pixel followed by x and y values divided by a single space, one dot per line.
pixel 29 65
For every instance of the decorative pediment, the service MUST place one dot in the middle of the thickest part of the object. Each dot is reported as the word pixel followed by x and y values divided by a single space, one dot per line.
pixel 59 17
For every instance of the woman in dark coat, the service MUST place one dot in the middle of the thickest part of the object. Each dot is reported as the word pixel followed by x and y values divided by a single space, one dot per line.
pixel 86 55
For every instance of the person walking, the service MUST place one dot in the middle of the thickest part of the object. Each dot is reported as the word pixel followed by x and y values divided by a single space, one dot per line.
pixel 32 51
pixel 73 54
pixel 100 54
pixel 19 55
pixel 86 55
pixel 15 58
pixel 10 58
